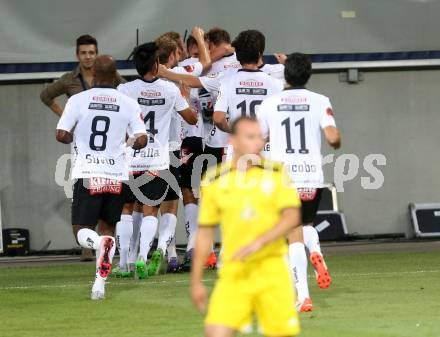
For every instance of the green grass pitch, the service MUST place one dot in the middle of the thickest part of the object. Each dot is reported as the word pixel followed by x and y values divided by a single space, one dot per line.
pixel 381 295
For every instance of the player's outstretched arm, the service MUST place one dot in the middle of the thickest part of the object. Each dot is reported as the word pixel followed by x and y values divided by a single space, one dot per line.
pixel 220 121
pixel 189 80
pixel 64 136
pixel 202 249
pixel 333 137
pixel 290 218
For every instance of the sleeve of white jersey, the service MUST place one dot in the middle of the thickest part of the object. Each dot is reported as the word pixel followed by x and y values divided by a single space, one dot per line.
pixel 211 84
pixel 122 88
pixel 327 115
pixel 180 104
pixel 222 100
pixel 136 124
pixel 262 114
pixel 69 118
pixel 194 69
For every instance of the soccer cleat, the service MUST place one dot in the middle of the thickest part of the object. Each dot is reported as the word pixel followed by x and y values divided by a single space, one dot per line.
pixel 306 305
pixel 173 265
pixel 104 265
pixel 186 264
pixel 322 275
pixel 140 270
pixel 98 289
pixel 211 263
pixel 156 262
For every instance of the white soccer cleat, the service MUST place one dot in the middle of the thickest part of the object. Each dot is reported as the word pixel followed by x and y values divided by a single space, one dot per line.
pixel 98 289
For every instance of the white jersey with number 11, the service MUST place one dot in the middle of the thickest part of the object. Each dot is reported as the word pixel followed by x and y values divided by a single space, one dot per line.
pixel 293 120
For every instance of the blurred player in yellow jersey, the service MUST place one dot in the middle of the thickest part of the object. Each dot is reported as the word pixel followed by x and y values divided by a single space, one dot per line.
pixel 255 204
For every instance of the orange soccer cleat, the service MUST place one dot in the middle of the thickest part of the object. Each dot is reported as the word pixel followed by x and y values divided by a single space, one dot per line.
pixel 211 263
pixel 306 305
pixel 322 275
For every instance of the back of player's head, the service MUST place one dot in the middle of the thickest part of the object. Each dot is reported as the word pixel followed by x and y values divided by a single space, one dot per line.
pixel 249 46
pixel 105 69
pixel 297 69
pixel 217 36
pixel 86 40
pixel 175 36
pixel 166 46
pixel 145 57
pixel 241 120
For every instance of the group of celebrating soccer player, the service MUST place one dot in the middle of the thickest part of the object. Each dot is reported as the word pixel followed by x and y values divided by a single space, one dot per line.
pixel 209 108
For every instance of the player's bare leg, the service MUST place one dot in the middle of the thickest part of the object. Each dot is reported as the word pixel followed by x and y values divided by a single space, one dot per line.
pixel 311 241
pixel 298 266
pixel 124 232
pixel 104 246
pixel 167 232
pixel 219 331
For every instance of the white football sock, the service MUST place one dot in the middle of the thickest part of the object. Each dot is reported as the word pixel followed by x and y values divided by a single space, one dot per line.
pixel 298 266
pixel 167 230
pixel 134 240
pixel 191 213
pixel 88 238
pixel 148 232
pixel 311 239
pixel 124 231
pixel 171 250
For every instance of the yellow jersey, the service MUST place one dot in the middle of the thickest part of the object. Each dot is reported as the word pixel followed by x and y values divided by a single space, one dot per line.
pixel 246 204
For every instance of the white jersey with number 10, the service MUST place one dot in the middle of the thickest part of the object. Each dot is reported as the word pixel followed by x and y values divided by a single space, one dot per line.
pixel 293 120
pixel 242 92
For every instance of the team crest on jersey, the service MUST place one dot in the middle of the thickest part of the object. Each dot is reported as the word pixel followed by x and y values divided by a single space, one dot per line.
pixel 189 68
pixel 330 112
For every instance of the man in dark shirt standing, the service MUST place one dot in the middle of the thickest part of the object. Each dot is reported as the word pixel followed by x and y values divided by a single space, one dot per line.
pixel 73 82
pixel 77 80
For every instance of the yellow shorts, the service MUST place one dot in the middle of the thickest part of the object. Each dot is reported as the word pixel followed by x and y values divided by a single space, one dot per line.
pixel 265 290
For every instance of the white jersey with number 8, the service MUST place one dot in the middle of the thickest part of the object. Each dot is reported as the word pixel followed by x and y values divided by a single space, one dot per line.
pixel 293 120
pixel 101 117
pixel 159 100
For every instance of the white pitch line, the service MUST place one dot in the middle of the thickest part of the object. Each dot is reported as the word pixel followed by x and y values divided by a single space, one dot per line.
pixel 148 282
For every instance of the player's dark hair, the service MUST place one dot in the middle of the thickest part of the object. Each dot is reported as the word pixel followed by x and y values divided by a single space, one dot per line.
pixel 190 41
pixel 239 120
pixel 166 46
pixel 145 57
pixel 217 36
pixel 86 39
pixel 297 69
pixel 249 46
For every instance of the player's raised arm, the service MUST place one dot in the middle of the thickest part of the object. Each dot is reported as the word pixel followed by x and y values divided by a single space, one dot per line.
pixel 204 58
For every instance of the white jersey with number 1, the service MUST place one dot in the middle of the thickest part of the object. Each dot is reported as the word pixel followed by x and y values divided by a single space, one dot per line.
pixel 293 120
pixel 159 101
pixel 101 117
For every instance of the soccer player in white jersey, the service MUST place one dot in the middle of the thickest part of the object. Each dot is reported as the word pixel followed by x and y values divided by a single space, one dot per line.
pixel 159 100
pixel 100 118
pixel 242 92
pixel 293 120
